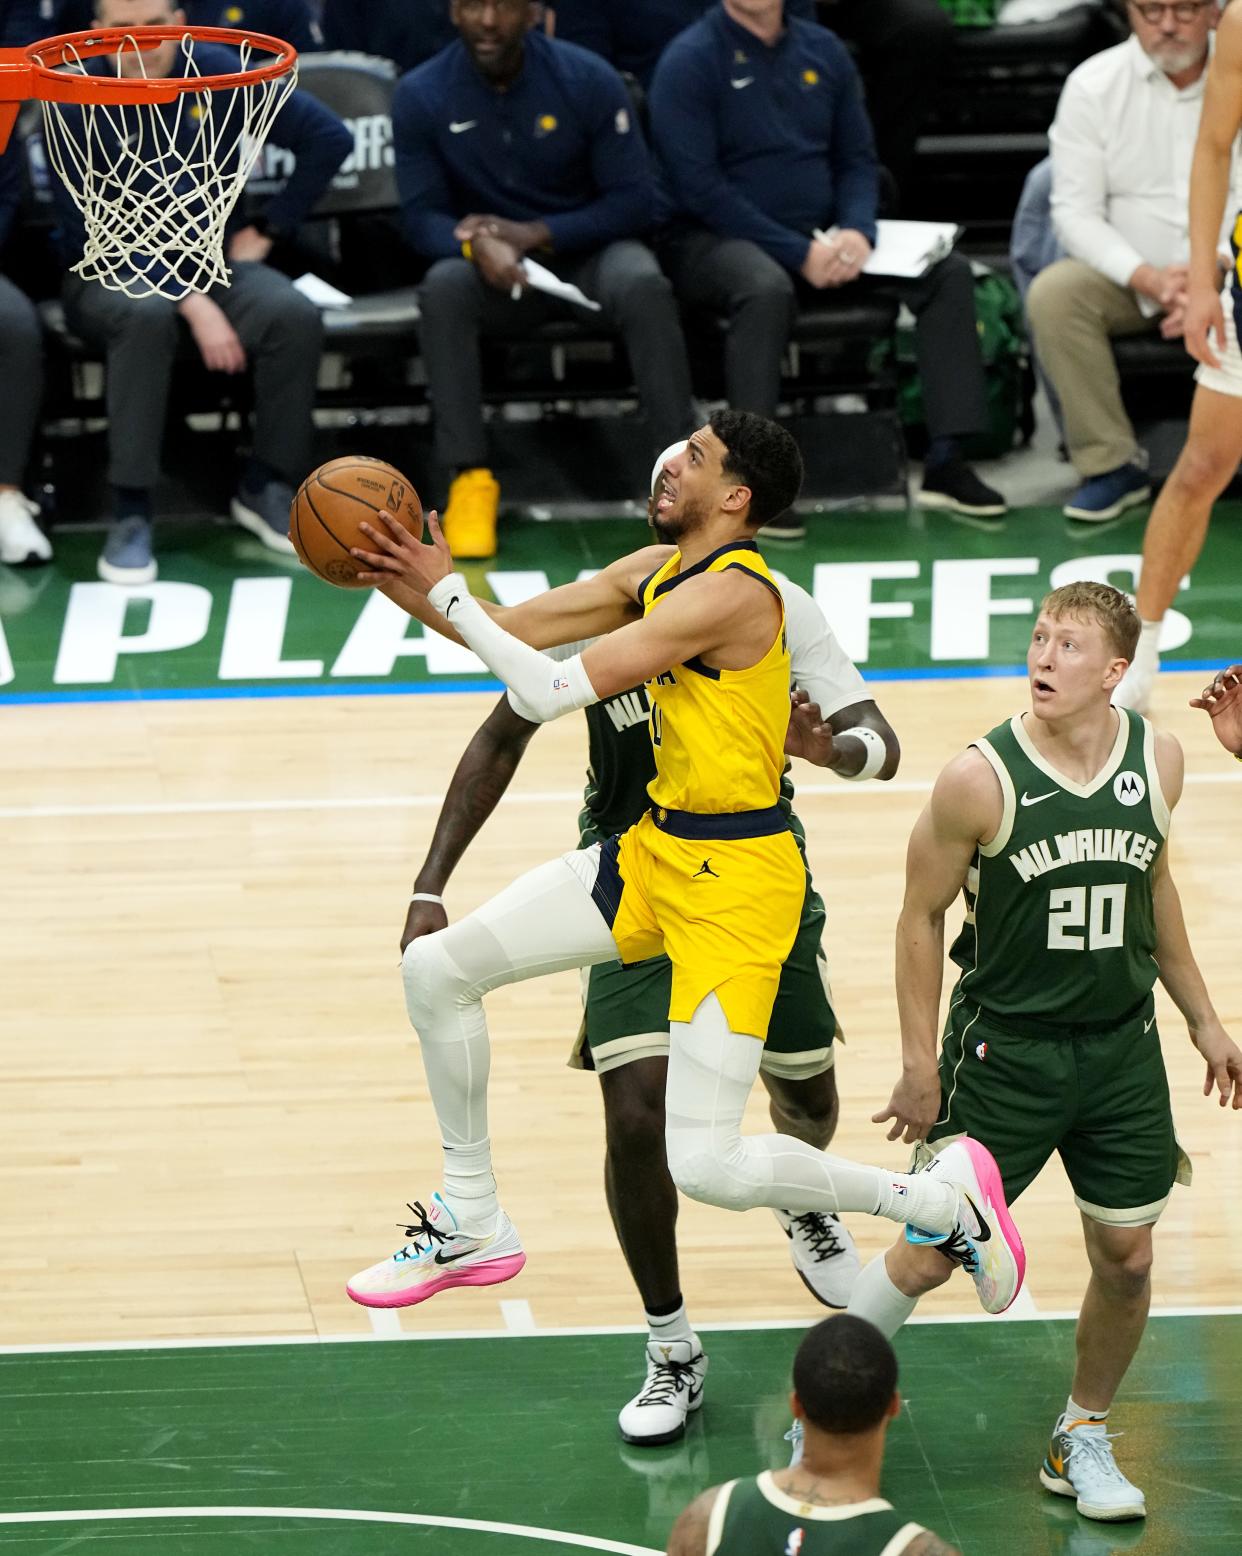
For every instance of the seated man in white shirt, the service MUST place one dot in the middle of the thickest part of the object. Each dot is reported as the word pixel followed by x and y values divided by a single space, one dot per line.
pixel 1121 145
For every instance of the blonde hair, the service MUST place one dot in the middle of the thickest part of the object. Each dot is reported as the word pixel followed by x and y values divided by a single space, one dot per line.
pixel 1101 603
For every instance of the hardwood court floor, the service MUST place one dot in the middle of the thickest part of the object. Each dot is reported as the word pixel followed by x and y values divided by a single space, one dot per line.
pixel 214 1107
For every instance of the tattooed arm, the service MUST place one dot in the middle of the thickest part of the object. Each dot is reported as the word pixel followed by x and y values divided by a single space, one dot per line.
pixel 481 777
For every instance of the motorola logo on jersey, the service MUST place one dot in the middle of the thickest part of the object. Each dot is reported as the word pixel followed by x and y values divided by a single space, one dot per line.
pixel 1129 788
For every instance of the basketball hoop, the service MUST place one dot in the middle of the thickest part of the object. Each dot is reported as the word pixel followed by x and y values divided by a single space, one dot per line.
pixel 154 163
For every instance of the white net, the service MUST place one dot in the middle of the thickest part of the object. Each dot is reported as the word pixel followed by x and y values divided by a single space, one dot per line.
pixel 156 183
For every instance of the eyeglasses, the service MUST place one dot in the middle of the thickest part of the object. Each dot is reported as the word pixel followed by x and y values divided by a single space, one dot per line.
pixel 1183 10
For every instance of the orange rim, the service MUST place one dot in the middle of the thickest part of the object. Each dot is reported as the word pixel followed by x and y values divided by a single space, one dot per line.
pixel 49 84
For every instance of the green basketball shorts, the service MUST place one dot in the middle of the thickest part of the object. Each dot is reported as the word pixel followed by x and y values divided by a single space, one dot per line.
pixel 625 1009
pixel 1099 1099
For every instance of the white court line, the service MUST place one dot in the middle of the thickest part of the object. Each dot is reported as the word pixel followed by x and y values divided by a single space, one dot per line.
pixel 425 801
pixel 385 1322
pixel 518 1316
pixel 746 1326
pixel 583 1542
pixel 1022 1306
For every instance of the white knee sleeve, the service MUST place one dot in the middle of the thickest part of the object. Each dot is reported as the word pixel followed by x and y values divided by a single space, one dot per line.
pixel 710 1074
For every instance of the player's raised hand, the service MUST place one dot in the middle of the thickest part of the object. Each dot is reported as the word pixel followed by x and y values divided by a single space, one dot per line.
pixel 808 736
pixel 914 1106
pixel 1224 1064
pixel 1222 701
pixel 423 918
pixel 402 557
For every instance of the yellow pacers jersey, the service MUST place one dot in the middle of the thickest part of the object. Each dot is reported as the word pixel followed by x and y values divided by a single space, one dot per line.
pixel 719 735
pixel 711 875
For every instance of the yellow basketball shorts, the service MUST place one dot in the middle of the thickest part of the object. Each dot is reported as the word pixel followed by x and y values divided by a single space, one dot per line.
pixel 724 909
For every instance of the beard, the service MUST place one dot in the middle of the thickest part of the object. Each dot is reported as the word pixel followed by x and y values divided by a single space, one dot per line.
pixel 673 525
pixel 1173 57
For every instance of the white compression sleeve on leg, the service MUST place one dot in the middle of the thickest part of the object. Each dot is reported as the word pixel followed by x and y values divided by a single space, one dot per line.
pixel 544 922
pixel 710 1073
pixel 547 688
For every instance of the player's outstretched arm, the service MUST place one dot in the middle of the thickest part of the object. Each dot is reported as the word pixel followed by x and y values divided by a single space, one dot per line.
pixel 689 1533
pixel 480 778
pixel 965 809
pixel 406 568
pixel 1221 700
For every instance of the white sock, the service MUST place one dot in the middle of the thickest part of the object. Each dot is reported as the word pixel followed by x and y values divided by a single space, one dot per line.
pixel 1147 654
pixel 878 1300
pixel 671 1326
pixel 1077 1412
pixel 469 1188
pixel 710 1073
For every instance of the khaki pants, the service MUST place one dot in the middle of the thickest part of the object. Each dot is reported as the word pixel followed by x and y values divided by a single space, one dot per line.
pixel 1073 311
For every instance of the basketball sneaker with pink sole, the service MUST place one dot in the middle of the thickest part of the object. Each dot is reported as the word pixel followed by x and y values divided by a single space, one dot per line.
pixel 984 1241
pixel 437 1258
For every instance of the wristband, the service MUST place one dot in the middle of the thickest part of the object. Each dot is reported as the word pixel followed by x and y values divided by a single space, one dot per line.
pixel 873 744
pixel 427 896
pixel 467 250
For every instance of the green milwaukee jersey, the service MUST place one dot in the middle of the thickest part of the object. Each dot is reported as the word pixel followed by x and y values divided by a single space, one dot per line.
pixel 1060 929
pixel 757 1518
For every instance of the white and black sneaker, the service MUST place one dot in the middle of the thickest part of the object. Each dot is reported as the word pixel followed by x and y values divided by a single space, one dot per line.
pixel 674 1387
pixel 823 1254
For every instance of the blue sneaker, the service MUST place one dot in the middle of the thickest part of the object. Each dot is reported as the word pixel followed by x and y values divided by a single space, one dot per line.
pixel 266 514
pixel 1107 496
pixel 127 557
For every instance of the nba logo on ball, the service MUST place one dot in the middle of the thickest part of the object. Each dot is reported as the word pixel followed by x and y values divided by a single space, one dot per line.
pixel 1129 788
pixel 794 1544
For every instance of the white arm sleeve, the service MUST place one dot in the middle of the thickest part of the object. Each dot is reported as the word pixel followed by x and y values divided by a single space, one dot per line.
pixel 545 688
pixel 560 654
pixel 817 662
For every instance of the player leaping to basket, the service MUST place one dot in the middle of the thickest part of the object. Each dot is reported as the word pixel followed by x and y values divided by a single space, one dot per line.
pixel 711 875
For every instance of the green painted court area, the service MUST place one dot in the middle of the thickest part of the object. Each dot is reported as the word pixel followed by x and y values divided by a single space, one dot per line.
pixel 472 1447
pixel 906 594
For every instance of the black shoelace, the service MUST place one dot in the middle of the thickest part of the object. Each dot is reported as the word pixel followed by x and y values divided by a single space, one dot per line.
pixel 669 1380
pixel 958 1247
pixel 821 1231
pixel 422 1229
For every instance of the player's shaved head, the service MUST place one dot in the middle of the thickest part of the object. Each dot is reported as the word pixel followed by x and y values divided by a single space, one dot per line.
pixel 845 1376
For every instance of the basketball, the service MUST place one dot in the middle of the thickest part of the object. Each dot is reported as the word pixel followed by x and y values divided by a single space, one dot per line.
pixel 331 504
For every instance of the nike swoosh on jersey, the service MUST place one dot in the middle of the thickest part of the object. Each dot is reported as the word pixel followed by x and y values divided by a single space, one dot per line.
pixel 460 126
pixel 1147 1025
pixel 1034 799
pixel 737 84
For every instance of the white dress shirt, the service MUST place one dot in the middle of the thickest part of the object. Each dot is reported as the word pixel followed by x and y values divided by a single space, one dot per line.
pixel 1122 144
